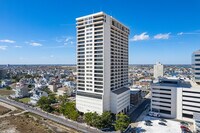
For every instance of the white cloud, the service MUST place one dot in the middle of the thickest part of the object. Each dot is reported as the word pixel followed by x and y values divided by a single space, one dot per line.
pixel 162 36
pixel 52 56
pixel 3 47
pixel 17 46
pixel 69 42
pixel 66 40
pixel 143 36
pixel 7 41
pixel 197 32
pixel 35 44
pixel 180 33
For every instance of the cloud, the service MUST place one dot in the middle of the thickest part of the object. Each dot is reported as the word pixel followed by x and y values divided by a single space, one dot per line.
pixel 3 47
pixel 17 46
pixel 35 44
pixel 197 32
pixel 7 41
pixel 66 40
pixel 180 33
pixel 162 36
pixel 143 36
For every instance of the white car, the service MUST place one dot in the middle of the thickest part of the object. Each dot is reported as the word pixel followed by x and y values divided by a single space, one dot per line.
pixel 154 114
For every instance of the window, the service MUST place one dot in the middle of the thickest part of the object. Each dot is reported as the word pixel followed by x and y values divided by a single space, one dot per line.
pixel 161 106
pixel 165 111
pixel 187 115
pixel 161 97
pixel 161 93
pixel 161 101
pixel 100 91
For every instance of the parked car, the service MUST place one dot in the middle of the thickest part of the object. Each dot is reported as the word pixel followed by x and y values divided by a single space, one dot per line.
pixel 162 123
pixel 185 128
pixel 154 114
pixel 150 113
pixel 148 124
pixel 184 123
pixel 186 131
pixel 182 126
pixel 148 121
pixel 163 120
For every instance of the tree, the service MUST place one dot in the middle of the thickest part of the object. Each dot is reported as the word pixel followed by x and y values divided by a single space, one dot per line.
pixel 47 90
pixel 8 88
pixel 69 110
pixel 106 119
pixel 63 99
pixel 52 98
pixel 73 115
pixel 45 104
pixel 88 118
pixel 122 122
pixel 93 119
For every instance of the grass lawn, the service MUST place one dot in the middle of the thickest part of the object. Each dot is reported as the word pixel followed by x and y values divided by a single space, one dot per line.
pixel 5 92
pixel 24 100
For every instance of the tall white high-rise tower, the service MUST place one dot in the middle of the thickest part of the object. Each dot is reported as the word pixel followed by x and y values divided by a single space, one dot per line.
pixel 158 70
pixel 102 64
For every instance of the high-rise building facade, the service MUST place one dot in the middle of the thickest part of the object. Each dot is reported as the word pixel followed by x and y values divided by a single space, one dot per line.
pixel 196 66
pixel 158 70
pixel 102 64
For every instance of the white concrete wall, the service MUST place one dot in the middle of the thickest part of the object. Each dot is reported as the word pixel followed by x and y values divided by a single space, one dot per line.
pixel 106 50
pixel 86 104
pixel 120 102
pixel 179 110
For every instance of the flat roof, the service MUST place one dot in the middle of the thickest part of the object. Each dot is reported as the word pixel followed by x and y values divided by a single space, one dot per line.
pixel 119 91
pixel 90 15
pixel 173 83
pixel 101 13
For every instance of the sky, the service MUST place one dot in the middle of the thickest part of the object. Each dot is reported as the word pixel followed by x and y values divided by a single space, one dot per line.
pixel 44 31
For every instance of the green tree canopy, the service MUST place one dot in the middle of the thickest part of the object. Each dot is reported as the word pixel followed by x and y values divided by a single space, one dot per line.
pixel 69 110
pixel 45 104
pixel 93 119
pixel 106 119
pixel 122 122
pixel 8 88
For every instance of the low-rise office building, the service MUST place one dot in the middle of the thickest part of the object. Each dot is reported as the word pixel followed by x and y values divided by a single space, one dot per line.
pixel 175 98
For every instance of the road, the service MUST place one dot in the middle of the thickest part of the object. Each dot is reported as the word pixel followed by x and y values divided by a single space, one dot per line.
pixel 138 111
pixel 66 122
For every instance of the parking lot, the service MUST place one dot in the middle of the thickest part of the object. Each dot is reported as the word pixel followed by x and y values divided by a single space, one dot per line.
pixel 153 126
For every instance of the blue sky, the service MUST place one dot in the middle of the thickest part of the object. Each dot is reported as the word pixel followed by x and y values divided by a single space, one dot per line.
pixel 43 31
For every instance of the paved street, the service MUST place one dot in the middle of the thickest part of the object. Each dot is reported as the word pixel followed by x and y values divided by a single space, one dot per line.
pixel 138 111
pixel 72 124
